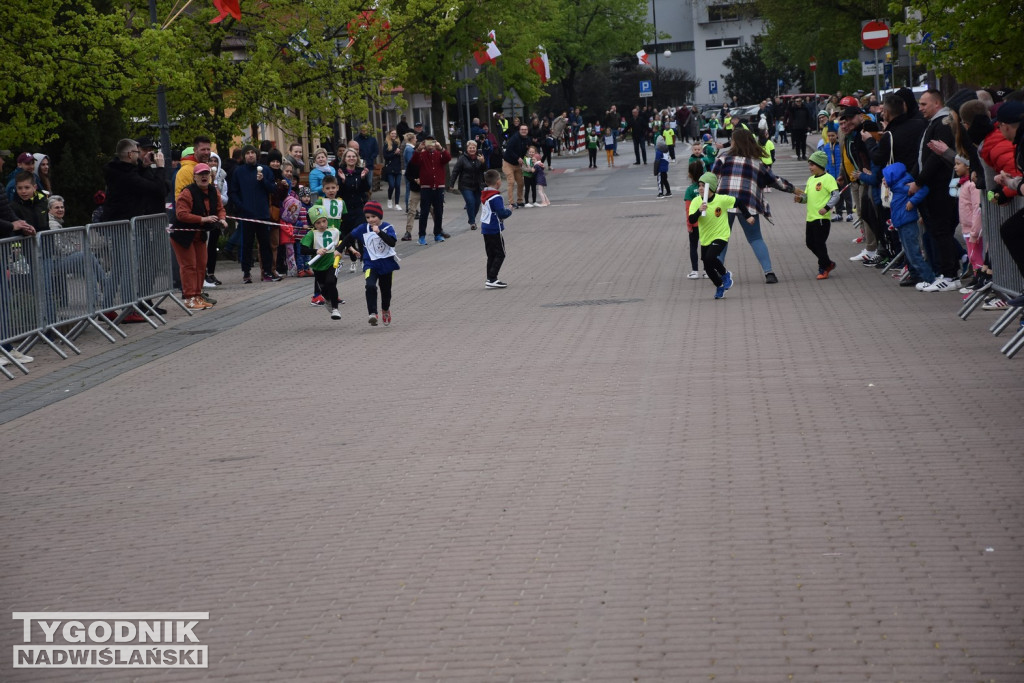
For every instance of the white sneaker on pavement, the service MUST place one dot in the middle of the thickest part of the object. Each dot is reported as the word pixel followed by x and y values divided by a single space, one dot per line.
pixel 864 253
pixel 943 284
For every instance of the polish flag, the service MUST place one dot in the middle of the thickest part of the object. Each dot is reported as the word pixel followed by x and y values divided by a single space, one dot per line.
pixel 541 65
pixel 490 54
pixel 642 58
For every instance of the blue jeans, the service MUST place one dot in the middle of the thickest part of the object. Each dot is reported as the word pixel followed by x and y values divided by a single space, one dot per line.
pixel 910 237
pixel 754 239
pixel 394 185
pixel 472 198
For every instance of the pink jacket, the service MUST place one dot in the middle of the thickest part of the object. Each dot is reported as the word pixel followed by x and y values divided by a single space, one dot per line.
pixel 970 209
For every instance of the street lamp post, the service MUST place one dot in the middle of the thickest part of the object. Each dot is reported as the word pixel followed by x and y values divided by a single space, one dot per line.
pixel 657 71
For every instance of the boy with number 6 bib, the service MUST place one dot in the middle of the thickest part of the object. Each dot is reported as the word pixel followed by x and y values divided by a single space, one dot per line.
pixel 376 241
pixel 321 242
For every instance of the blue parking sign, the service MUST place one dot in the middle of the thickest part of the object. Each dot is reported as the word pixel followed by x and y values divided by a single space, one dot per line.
pixel 645 86
pixel 712 87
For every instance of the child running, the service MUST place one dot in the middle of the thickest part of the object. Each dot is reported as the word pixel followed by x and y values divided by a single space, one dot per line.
pixel 492 215
pixel 696 170
pixel 821 195
pixel 711 216
pixel 322 241
pixel 661 169
pixel 376 240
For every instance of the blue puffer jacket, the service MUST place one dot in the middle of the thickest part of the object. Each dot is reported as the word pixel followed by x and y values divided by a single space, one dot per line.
pixel 898 179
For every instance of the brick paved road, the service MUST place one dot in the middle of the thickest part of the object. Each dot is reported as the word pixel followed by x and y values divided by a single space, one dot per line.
pixel 598 474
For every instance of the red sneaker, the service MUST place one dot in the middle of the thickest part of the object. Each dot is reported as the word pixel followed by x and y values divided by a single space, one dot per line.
pixel 386 317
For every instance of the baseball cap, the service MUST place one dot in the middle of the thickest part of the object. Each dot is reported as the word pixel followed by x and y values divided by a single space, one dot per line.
pixel 850 112
pixel 26 158
pixel 201 168
pixel 417 124
pixel 1009 112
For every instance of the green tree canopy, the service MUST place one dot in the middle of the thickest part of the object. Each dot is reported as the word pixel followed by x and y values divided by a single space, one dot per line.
pixel 974 42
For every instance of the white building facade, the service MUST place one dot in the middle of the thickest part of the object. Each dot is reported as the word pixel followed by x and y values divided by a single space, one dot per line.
pixel 702 33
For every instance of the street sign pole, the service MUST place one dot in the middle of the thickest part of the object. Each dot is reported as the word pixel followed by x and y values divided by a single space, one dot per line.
pixel 877 73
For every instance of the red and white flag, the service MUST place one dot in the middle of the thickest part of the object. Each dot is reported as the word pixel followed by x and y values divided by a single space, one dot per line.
pixel 490 52
pixel 541 65
pixel 642 58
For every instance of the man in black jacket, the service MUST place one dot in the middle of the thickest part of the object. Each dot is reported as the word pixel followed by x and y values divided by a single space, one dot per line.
pixel 939 209
pixel 799 123
pixel 638 124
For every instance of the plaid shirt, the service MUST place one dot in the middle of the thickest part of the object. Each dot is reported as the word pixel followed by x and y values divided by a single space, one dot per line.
pixel 745 179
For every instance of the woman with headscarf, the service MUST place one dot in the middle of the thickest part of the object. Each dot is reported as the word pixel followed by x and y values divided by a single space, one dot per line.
pixel 743 175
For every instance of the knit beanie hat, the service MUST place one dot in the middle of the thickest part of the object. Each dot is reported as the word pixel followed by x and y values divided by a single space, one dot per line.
pixel 818 159
pixel 274 155
pixel 373 208
pixel 711 180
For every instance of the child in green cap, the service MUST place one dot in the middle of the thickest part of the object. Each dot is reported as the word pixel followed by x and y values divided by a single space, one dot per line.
pixel 821 194
pixel 710 213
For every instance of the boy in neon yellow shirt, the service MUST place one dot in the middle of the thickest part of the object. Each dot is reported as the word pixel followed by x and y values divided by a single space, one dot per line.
pixel 711 217
pixel 821 194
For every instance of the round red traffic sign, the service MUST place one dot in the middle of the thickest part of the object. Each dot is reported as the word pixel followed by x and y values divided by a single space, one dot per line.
pixel 814 64
pixel 874 35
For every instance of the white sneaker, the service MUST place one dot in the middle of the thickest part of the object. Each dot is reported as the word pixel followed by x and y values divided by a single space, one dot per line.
pixel 4 361
pixel 352 268
pixel 861 256
pixel 529 205
pixel 335 314
pixel 693 275
pixel 209 285
pixel 21 357
pixel 390 204
pixel 942 284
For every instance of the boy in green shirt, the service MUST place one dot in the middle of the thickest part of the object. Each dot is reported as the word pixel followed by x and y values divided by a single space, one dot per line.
pixel 711 216
pixel 821 195
pixel 322 242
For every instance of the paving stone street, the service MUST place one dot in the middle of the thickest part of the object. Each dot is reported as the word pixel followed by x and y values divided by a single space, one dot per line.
pixel 599 473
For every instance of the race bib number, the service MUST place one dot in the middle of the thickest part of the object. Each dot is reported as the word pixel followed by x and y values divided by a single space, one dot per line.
pixel 335 207
pixel 377 248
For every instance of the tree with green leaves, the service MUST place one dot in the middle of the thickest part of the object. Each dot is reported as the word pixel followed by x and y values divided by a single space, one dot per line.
pixel 592 32
pixel 795 30
pixel 74 55
pixel 750 80
pixel 974 42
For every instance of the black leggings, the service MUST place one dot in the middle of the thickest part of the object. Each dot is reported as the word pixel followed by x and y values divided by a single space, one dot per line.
pixel 530 183
pixel 663 185
pixel 373 280
pixel 592 153
pixel 694 243
pixel 709 254
pixel 816 236
pixel 800 143
pixel 327 282
pixel 494 245
pixel 211 250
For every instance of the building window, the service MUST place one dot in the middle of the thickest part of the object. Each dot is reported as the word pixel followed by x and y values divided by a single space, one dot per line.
pixel 732 12
pixel 721 43
pixel 680 46
pixel 723 12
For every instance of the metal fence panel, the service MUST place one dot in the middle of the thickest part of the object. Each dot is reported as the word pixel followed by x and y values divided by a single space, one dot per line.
pixel 111 244
pixel 153 249
pixel 1006 275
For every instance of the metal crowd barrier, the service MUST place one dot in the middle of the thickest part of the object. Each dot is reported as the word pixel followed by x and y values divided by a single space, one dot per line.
pixel 57 284
pixel 1006 276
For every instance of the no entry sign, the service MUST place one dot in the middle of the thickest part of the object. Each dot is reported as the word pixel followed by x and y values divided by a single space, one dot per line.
pixel 874 35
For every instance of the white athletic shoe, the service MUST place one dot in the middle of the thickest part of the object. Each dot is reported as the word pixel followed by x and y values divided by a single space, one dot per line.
pixel 694 275
pixel 390 204
pixel 864 254
pixel 943 284
pixel 21 357
pixel 352 268
pixel 335 314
